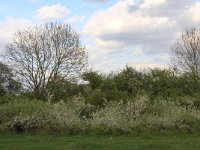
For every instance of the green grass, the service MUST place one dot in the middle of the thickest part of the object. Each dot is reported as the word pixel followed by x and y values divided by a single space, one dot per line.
pixel 142 142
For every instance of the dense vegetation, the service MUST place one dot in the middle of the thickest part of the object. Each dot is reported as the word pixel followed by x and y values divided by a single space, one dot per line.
pixel 125 102
pixel 40 95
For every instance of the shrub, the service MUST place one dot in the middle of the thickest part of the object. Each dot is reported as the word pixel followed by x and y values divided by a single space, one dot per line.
pixel 28 116
pixel 99 97
pixel 170 116
pixel 115 117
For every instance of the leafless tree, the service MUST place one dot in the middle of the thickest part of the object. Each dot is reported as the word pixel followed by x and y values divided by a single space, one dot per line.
pixel 186 52
pixel 46 53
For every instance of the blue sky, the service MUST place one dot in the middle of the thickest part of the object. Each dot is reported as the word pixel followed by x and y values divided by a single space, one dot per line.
pixel 26 8
pixel 116 33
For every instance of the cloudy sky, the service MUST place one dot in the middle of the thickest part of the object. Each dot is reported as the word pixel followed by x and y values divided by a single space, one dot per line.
pixel 115 32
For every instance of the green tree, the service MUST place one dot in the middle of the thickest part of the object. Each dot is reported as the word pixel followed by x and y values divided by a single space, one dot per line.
pixel 95 80
pixel 63 90
pixel 162 82
pixel 129 80
pixel 7 82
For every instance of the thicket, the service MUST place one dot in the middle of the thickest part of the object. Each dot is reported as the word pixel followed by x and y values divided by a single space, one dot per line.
pixel 136 116
pixel 126 102
pixel 99 88
pixel 52 91
pixel 130 101
pixel 165 84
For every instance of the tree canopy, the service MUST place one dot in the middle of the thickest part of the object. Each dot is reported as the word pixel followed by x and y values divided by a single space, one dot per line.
pixel 46 53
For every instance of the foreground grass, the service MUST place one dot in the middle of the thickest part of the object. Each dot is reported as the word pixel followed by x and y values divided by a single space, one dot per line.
pixel 142 142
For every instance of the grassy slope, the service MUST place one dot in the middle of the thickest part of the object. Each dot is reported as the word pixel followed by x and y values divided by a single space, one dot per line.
pixel 26 142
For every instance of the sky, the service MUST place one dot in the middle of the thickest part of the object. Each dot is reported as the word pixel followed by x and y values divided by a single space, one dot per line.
pixel 116 33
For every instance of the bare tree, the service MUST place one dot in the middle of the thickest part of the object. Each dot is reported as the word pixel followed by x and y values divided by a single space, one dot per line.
pixel 186 52
pixel 46 53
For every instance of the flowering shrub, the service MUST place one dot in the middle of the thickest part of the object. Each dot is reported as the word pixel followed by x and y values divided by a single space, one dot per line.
pixel 170 116
pixel 117 116
pixel 27 116
pixel 77 117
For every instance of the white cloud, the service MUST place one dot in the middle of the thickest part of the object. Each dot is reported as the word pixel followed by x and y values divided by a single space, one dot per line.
pixel 145 65
pixel 194 12
pixel 75 19
pixel 151 25
pixel 128 27
pixel 8 27
pixel 109 45
pixel 51 12
pixel 11 25
pixel 150 3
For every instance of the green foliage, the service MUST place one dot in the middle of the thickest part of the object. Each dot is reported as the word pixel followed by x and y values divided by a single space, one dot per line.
pixel 166 116
pixel 129 101
pixel 129 80
pixel 188 85
pixel 62 90
pixel 99 97
pixel 115 117
pixel 94 79
pixel 35 116
pixel 103 89
pixel 7 82
pixel 161 83
pixel 129 83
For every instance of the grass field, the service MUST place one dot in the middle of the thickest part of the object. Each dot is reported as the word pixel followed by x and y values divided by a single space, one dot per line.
pixel 142 142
